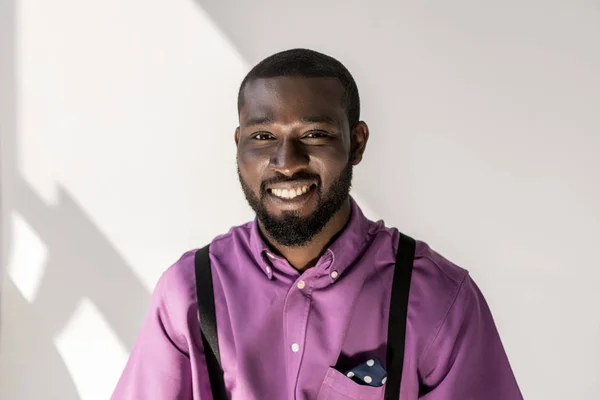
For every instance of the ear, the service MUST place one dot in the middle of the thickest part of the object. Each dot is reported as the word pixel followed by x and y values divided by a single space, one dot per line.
pixel 236 136
pixel 360 137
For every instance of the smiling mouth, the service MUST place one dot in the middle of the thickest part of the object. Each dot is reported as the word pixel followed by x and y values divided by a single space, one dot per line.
pixel 293 192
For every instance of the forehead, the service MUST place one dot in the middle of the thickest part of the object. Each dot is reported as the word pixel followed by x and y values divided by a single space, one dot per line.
pixel 288 98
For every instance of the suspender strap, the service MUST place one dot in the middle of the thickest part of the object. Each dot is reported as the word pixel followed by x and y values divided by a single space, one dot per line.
pixel 397 321
pixel 396 325
pixel 208 323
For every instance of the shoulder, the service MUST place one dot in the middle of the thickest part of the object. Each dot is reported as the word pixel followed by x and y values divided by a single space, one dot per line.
pixel 178 282
pixel 435 279
pixel 435 287
pixel 438 268
pixel 175 290
pixel 177 286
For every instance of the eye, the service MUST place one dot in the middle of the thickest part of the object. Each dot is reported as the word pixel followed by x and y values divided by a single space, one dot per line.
pixel 316 135
pixel 261 136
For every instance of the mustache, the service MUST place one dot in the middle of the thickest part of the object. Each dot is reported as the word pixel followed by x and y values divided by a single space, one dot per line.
pixel 302 175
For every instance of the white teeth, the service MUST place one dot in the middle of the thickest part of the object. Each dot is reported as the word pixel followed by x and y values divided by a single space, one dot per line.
pixel 290 193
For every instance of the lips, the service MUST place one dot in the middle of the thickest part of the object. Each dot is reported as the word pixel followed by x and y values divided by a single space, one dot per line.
pixel 290 191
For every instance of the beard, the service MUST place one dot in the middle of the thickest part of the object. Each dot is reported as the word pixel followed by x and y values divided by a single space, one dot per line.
pixel 290 229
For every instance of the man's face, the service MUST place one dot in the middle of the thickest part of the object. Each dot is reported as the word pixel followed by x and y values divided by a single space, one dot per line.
pixel 294 149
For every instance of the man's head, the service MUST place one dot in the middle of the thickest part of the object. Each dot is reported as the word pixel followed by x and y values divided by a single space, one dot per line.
pixel 298 140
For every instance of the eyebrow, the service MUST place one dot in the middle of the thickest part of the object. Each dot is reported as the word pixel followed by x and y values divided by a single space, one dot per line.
pixel 266 120
pixel 321 119
pixel 259 121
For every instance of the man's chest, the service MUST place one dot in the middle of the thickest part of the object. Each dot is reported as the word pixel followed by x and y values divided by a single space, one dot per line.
pixel 291 338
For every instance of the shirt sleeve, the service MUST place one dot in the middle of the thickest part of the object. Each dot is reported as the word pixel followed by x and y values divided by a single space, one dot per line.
pixel 159 365
pixel 466 360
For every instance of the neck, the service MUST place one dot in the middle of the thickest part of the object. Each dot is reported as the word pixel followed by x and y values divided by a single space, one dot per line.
pixel 306 256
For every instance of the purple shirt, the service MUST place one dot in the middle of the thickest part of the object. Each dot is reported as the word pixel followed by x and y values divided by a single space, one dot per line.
pixel 281 331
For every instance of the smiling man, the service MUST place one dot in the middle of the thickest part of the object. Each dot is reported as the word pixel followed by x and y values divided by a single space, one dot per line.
pixel 311 300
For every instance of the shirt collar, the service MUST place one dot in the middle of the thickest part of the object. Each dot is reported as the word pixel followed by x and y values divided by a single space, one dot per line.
pixel 340 254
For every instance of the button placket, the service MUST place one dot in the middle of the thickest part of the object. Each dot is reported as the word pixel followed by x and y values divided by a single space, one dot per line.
pixel 297 311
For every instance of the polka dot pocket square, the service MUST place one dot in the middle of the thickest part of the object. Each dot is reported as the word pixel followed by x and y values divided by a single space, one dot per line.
pixel 369 373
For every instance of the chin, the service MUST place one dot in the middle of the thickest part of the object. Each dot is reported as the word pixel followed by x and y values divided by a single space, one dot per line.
pixel 281 212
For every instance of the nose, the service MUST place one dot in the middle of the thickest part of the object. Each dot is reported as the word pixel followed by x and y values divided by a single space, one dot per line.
pixel 288 158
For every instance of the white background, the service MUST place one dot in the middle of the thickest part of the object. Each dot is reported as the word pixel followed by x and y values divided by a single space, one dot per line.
pixel 117 156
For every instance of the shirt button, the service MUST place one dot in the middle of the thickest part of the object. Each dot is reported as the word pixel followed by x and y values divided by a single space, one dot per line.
pixel 301 285
pixel 268 270
pixel 334 274
pixel 270 255
pixel 295 347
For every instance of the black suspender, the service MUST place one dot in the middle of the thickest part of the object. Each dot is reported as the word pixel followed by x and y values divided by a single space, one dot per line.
pixel 397 321
pixel 208 323
pixel 396 325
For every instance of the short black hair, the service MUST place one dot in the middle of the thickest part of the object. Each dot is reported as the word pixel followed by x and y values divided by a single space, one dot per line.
pixel 307 64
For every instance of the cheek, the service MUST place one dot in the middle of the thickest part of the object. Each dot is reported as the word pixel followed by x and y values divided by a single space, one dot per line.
pixel 329 166
pixel 249 154
pixel 251 165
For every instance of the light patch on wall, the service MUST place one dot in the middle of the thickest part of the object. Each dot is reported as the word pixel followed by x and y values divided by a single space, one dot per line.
pixel 91 351
pixel 27 259
pixel 124 118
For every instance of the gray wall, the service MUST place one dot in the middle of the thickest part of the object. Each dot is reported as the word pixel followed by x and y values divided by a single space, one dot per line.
pixel 117 156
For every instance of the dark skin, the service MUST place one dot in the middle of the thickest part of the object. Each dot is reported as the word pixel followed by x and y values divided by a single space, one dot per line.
pixel 295 124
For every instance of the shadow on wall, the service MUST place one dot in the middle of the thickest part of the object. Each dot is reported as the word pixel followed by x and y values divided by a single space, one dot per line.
pixel 81 264
pixel 31 365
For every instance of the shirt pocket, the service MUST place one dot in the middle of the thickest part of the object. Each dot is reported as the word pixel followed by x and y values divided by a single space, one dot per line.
pixel 337 386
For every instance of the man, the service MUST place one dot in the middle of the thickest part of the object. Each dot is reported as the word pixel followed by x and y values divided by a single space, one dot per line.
pixel 303 294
